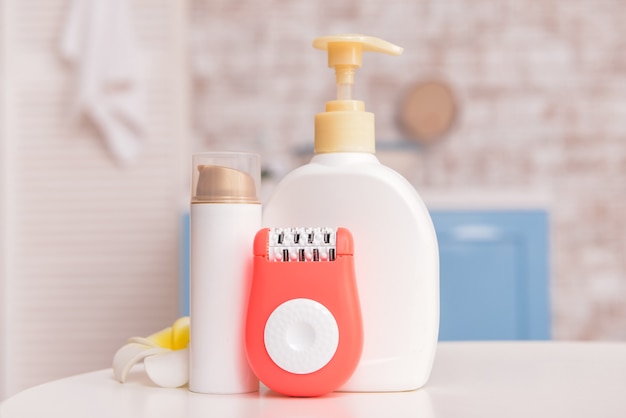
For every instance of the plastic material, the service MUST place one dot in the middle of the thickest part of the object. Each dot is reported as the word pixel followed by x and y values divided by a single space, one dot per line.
pixel 345 126
pixel 397 267
pixel 304 332
pixel 225 216
pixel 225 177
pixel 301 336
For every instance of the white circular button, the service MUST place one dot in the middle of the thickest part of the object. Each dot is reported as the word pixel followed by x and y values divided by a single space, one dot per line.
pixel 301 336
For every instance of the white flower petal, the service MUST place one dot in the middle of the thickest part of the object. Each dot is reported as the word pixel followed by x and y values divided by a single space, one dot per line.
pixel 129 355
pixel 170 369
pixel 144 341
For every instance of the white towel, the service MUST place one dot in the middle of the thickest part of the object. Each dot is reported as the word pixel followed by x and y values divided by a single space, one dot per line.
pixel 98 41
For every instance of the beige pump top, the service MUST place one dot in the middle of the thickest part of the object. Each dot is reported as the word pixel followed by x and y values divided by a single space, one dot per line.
pixel 345 126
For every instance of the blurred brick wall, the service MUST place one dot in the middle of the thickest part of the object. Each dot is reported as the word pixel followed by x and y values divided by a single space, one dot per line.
pixel 541 86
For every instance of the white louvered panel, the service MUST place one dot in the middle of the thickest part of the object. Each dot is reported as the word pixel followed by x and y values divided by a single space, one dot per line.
pixel 93 246
pixel 4 181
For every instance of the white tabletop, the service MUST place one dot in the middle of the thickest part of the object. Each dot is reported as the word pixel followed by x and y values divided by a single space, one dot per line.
pixel 481 379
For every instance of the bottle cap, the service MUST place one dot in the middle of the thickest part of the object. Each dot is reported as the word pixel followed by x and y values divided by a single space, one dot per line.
pixel 345 126
pixel 225 177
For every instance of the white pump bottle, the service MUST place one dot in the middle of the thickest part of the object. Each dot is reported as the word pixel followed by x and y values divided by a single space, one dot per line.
pixel 225 216
pixel 395 246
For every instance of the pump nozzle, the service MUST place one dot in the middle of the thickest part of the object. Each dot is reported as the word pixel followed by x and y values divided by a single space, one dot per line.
pixel 345 126
pixel 345 56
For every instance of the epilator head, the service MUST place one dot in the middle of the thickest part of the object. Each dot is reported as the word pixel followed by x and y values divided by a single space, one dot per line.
pixel 304 334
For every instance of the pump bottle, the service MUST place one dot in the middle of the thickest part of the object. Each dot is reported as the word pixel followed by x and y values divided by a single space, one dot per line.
pixel 396 253
pixel 225 216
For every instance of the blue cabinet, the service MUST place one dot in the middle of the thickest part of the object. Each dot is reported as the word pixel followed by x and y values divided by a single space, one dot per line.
pixel 494 274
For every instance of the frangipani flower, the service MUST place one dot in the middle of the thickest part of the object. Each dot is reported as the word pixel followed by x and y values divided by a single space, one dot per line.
pixel 165 355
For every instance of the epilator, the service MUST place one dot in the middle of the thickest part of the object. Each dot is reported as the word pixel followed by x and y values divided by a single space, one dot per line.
pixel 304 334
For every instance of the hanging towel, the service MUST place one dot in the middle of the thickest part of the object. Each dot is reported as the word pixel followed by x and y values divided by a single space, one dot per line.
pixel 99 43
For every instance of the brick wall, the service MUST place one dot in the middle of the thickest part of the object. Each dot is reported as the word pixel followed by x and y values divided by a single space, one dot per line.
pixel 541 86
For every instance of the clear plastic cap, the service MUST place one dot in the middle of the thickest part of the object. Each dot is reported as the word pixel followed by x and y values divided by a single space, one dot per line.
pixel 225 177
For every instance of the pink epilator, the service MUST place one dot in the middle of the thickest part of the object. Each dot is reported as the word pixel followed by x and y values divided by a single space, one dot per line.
pixel 304 333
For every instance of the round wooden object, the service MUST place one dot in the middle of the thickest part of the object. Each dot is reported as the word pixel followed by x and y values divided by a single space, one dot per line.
pixel 428 111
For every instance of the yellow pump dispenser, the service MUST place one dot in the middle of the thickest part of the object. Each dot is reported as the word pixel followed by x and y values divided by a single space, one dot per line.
pixel 345 126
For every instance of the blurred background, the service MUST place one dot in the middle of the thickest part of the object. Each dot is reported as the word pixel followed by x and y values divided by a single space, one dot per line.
pixel 508 116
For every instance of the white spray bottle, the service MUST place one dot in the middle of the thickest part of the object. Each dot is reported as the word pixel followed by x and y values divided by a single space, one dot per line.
pixel 397 267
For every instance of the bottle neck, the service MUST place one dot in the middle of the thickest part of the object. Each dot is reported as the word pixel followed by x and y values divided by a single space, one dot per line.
pixel 345 126
pixel 344 158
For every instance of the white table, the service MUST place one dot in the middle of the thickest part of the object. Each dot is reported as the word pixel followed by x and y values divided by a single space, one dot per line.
pixel 481 379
